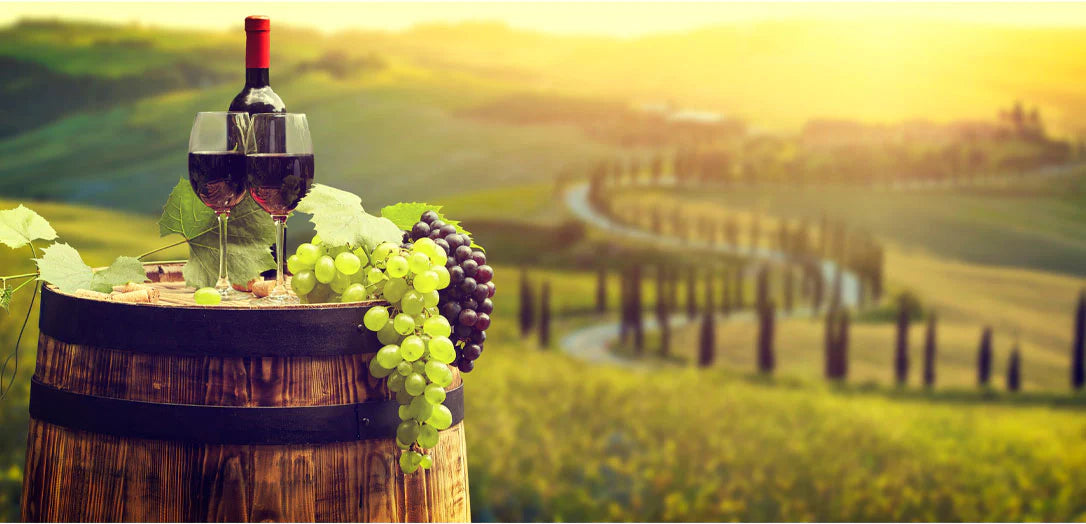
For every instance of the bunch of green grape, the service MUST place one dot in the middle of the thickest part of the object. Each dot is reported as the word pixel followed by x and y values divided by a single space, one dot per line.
pixel 417 349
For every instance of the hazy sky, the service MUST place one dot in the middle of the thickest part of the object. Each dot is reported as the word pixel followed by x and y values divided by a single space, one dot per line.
pixel 611 18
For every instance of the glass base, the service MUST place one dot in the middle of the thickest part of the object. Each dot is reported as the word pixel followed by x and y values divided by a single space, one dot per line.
pixel 277 300
pixel 229 293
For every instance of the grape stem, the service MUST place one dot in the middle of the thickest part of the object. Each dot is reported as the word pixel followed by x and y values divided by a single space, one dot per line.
pixel 15 352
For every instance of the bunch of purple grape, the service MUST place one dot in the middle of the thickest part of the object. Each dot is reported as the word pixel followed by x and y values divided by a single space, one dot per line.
pixel 466 302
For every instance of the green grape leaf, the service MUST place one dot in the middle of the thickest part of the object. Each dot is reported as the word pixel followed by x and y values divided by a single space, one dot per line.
pixel 249 231
pixel 5 297
pixel 20 226
pixel 338 217
pixel 61 265
pixel 406 214
pixel 121 271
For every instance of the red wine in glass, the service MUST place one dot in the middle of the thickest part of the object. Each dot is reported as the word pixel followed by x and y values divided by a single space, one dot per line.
pixel 218 178
pixel 278 181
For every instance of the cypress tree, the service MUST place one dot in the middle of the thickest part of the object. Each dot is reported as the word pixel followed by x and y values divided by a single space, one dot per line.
pixel 691 292
pixel 636 313
pixel 984 358
pixel 737 302
pixel 708 306
pixel 545 316
pixel 601 289
pixel 527 304
pixel 763 288
pixel 766 358
pixel 1014 371
pixel 725 292
pixel 624 305
pixel 706 341
pixel 929 353
pixel 830 346
pixel 662 313
pixel 901 355
pixel 842 345
pixel 1078 347
pixel 789 288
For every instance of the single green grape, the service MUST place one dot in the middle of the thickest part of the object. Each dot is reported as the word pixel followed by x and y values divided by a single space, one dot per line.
pixel 421 409
pixel 404 324
pixel 363 258
pixel 437 327
pixel 439 373
pixel 441 418
pixel 425 282
pixel 388 335
pixel 207 296
pixel 434 394
pixel 394 289
pixel 377 370
pixel 389 356
pixel 437 256
pixel 405 368
pixel 418 263
pixel 395 382
pixel 325 269
pixel 376 318
pixel 414 384
pixel 320 293
pixel 431 312
pixel 295 265
pixel 412 348
pixel 412 302
pixel 443 277
pixel 428 435
pixel 309 253
pixel 303 282
pixel 382 252
pixel 397 266
pixel 354 293
pixel 424 244
pixel 374 275
pixel 407 431
pixel 317 240
pixel 426 461
pixel 348 263
pixel 404 412
pixel 441 349
pixel 340 283
pixel 406 465
pixel 431 299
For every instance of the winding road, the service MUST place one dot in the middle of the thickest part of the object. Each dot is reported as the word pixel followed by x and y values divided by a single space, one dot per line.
pixel 590 343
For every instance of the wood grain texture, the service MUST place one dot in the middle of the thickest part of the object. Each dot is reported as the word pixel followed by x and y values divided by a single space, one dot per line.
pixel 74 475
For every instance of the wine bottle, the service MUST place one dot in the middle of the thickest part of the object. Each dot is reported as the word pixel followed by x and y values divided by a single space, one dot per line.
pixel 257 96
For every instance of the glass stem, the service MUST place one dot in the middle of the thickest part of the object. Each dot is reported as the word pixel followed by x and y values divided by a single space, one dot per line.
pixel 280 290
pixel 224 280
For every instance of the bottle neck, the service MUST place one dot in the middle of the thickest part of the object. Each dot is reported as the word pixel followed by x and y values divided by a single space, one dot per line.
pixel 256 77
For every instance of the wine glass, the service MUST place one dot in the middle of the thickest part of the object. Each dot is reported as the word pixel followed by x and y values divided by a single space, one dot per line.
pixel 279 163
pixel 217 173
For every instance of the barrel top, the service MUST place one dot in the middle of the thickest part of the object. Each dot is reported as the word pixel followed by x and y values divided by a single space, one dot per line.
pixel 175 324
pixel 169 282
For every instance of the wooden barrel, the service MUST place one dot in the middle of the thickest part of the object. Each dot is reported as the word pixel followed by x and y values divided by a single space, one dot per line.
pixel 175 412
